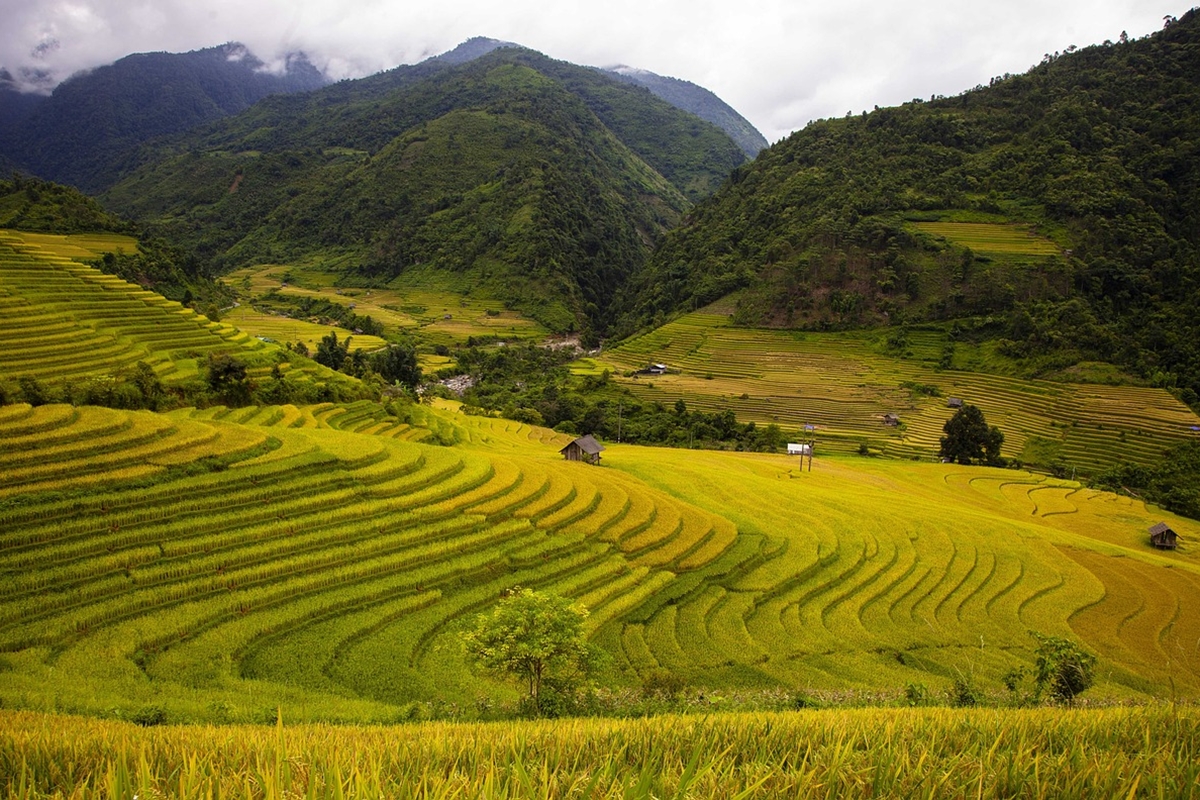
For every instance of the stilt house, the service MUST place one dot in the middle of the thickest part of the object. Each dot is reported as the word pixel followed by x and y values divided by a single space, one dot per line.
pixel 585 448
pixel 1163 537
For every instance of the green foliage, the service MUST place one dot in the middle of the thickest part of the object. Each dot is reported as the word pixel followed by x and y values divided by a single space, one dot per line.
pixel 963 693
pixel 1063 670
pixel 32 204
pixel 546 184
pixel 330 352
pixel 534 637
pixel 397 363
pixel 1090 155
pixel 228 380
pixel 969 440
pixel 531 384
pixel 1174 482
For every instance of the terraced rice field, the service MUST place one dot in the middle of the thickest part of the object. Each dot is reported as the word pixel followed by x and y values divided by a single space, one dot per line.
pixel 63 320
pixel 283 329
pixel 992 238
pixel 122 559
pixel 423 303
pixel 843 386
pixel 321 558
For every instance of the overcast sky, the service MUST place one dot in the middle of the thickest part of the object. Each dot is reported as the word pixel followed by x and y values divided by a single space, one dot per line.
pixel 780 63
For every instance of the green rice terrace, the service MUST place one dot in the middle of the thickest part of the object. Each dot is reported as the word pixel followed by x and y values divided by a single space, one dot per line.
pixel 436 308
pixel 992 238
pixel 223 563
pixel 321 559
pixel 844 385
pixel 63 320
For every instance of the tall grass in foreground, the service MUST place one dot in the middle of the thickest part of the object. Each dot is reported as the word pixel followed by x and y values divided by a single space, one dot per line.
pixel 910 753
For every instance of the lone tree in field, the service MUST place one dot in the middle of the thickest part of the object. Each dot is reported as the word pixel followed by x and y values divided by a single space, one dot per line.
pixel 969 440
pixel 532 636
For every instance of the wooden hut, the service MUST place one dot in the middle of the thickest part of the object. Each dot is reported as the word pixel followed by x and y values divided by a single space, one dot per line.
pixel 1163 537
pixel 585 448
pixel 891 419
pixel 954 402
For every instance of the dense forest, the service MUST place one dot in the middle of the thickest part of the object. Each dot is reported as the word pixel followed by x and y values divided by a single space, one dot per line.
pixel 1094 153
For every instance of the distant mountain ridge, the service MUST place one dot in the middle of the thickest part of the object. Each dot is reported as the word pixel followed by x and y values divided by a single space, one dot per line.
pixel 699 101
pixel 84 133
pixel 541 183
pixel 682 94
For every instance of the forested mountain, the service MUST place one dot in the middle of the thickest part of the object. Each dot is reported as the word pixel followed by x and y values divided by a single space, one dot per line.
pixel 699 101
pixel 85 132
pixel 545 183
pixel 1059 208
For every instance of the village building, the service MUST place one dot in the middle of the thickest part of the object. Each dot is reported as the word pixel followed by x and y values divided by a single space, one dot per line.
pixel 954 402
pixel 585 448
pixel 1163 537
pixel 891 419
pixel 796 449
pixel 657 369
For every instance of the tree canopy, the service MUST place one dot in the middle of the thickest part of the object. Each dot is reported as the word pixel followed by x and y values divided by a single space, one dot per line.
pixel 969 440
pixel 532 636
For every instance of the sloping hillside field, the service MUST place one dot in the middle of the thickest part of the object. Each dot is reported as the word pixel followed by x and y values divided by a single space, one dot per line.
pixel 62 319
pixel 320 559
pixel 843 384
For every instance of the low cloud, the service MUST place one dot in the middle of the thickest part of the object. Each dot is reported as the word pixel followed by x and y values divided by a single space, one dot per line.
pixel 780 63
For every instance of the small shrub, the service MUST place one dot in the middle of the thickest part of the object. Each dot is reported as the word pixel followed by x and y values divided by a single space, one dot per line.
pixel 663 684
pixel 1064 670
pixel 963 693
pixel 916 694
pixel 149 716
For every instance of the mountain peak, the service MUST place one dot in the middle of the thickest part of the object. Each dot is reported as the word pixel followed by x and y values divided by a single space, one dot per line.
pixel 471 49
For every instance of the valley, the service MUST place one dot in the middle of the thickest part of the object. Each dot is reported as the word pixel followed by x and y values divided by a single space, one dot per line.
pixel 325 373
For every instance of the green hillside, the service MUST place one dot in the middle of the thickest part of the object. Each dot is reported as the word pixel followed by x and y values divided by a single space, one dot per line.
pixel 87 132
pixel 546 185
pixel 1058 206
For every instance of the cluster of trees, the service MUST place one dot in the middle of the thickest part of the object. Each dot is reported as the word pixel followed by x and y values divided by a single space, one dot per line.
pixel 1173 483
pixel 395 364
pixel 226 380
pixel 532 384
pixel 324 310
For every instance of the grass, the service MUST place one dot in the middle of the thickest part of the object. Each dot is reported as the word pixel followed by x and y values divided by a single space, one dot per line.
pixel 878 753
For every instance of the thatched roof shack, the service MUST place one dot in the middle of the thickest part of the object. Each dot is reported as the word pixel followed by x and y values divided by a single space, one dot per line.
pixel 1163 537
pixel 585 448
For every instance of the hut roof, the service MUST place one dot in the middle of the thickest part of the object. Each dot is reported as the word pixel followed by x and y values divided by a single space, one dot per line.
pixel 1161 527
pixel 587 444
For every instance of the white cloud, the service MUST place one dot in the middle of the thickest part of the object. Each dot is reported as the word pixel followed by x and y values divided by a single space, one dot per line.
pixel 781 63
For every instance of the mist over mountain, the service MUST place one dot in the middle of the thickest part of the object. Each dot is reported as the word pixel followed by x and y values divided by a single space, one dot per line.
pixel 86 131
